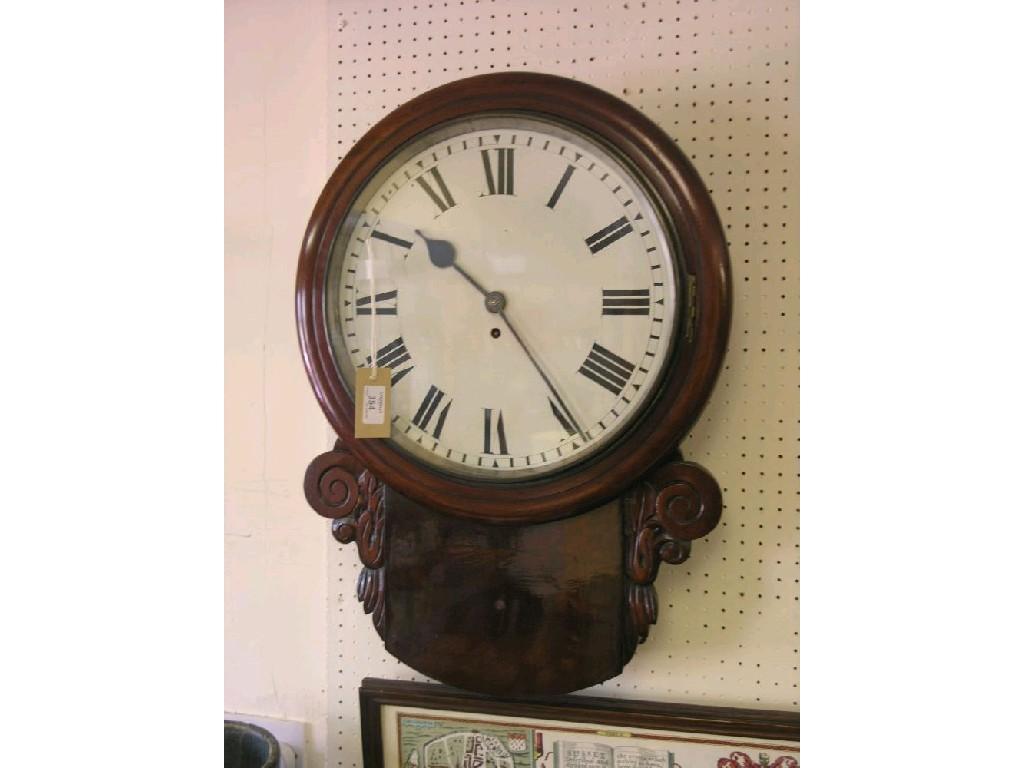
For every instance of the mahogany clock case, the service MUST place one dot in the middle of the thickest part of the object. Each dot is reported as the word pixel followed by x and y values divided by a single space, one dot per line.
pixel 698 246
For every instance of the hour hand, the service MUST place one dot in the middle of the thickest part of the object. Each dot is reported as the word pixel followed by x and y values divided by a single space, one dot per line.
pixel 441 252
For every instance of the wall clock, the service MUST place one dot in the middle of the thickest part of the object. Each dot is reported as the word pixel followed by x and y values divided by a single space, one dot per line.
pixel 544 276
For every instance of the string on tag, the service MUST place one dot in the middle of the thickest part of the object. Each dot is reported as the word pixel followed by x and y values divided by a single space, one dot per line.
pixel 372 275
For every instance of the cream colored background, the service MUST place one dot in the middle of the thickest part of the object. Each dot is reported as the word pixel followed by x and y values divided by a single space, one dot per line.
pixel 304 79
pixel 275 547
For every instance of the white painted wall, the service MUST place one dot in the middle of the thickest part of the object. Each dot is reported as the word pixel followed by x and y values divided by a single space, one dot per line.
pixel 275 547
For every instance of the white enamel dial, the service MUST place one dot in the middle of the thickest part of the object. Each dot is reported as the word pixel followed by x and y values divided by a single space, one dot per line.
pixel 517 280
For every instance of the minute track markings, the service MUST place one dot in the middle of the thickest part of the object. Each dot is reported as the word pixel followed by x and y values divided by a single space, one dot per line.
pixel 622 227
pixel 445 199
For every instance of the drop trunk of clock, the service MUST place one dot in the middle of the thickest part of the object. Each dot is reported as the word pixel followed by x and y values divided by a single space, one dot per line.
pixel 513 609
pixel 489 607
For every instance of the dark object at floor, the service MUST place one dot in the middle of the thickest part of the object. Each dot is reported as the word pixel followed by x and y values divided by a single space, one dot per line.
pixel 249 746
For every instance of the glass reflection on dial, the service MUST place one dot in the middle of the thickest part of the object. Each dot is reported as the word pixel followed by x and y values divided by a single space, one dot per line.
pixel 516 279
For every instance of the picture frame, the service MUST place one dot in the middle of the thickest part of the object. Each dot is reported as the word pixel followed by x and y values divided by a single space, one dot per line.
pixel 423 725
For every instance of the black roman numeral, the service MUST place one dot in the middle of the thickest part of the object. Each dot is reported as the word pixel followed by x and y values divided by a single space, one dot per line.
pixel 501 183
pixel 626 302
pixel 371 305
pixel 428 408
pixel 605 237
pixel 392 355
pixel 444 200
pixel 561 186
pixel 403 244
pixel 494 431
pixel 569 428
pixel 607 369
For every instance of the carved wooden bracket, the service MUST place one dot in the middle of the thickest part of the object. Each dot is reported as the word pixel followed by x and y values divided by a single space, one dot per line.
pixel 338 487
pixel 662 514
pixel 670 507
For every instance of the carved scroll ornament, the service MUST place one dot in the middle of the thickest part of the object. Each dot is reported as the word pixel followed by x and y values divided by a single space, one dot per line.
pixel 662 514
pixel 338 487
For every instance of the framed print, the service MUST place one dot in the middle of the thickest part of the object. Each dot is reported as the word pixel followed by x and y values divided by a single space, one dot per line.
pixel 419 725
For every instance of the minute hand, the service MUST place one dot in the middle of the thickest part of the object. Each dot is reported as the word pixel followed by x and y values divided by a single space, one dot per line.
pixel 442 254
pixel 543 375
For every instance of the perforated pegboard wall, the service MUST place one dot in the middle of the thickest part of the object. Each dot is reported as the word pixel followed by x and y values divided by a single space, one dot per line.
pixel 721 78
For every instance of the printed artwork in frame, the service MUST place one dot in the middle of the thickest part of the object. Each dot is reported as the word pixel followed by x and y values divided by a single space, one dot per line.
pixel 420 725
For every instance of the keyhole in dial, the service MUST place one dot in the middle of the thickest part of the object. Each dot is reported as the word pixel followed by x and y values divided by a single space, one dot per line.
pixel 495 333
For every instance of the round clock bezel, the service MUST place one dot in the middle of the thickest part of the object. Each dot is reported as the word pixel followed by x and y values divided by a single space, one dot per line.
pixel 665 323
pixel 697 246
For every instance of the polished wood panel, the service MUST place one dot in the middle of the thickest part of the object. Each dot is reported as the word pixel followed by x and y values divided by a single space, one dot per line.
pixel 505 609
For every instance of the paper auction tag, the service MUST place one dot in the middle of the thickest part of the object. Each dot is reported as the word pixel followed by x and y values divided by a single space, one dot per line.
pixel 373 402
